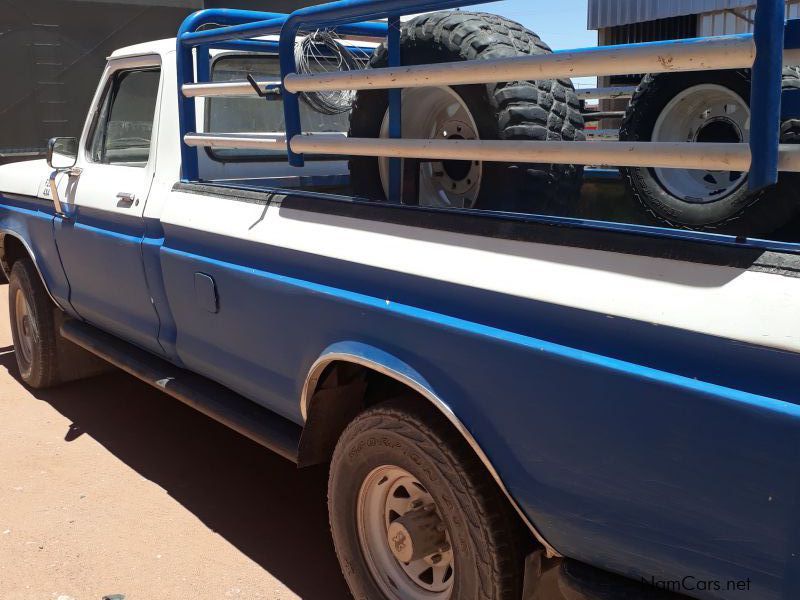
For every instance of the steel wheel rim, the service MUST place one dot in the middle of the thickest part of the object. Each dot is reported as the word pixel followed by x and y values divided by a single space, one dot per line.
pixel 700 113
pixel 438 113
pixel 25 326
pixel 379 500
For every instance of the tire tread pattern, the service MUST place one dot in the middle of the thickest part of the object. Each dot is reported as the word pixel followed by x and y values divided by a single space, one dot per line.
pixel 534 110
pixel 763 212
pixel 44 366
pixel 491 520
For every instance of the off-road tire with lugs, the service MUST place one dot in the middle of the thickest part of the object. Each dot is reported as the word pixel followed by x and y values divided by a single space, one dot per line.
pixel 740 213
pixel 516 110
pixel 486 537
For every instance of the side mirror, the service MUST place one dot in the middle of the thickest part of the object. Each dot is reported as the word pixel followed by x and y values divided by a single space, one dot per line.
pixel 62 152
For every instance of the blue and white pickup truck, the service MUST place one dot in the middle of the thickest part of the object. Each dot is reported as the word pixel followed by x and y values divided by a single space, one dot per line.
pixel 502 397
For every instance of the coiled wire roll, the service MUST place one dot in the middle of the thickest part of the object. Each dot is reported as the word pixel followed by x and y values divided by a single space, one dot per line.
pixel 322 52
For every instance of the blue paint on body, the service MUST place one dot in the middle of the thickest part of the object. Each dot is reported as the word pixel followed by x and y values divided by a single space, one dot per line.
pixel 31 221
pixel 620 461
pixel 101 252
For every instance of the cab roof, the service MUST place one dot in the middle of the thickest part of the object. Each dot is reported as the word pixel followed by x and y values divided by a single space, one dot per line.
pixel 160 47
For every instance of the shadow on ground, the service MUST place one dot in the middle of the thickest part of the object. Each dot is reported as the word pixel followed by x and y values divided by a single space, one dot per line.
pixel 259 502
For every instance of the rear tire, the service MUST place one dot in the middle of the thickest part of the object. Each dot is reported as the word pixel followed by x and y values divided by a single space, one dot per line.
pixel 390 454
pixel 532 110
pixel 686 199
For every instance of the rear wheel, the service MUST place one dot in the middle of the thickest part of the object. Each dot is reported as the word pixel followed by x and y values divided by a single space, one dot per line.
pixel 704 107
pixel 413 514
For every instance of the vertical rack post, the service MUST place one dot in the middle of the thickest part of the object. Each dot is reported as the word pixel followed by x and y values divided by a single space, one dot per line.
pixel 187 117
pixel 291 102
pixel 395 109
pixel 203 57
pixel 765 93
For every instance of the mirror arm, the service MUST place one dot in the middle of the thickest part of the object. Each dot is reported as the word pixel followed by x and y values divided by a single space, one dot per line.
pixel 71 172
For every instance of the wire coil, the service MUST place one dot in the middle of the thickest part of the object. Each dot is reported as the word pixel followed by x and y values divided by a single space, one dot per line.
pixel 322 52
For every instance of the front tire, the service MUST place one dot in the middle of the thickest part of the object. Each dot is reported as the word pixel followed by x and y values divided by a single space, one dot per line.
pixel 44 357
pixel 404 487
pixel 33 326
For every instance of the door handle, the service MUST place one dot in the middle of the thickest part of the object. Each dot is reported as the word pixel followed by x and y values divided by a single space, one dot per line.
pixel 126 200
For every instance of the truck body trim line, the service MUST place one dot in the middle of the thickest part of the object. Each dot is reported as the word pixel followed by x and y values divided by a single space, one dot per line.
pixel 562 231
pixel 561 351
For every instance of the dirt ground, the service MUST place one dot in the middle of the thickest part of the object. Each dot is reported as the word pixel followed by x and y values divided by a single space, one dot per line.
pixel 110 487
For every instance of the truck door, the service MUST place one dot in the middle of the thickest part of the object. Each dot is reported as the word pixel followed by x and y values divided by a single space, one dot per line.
pixel 100 238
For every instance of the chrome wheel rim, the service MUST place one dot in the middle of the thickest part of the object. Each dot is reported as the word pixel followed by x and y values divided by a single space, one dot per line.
pixel 388 495
pixel 703 113
pixel 25 326
pixel 438 113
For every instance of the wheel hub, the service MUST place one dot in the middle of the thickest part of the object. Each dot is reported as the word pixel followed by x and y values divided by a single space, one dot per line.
pixel 720 130
pixel 404 539
pixel 707 113
pixel 432 113
pixel 26 326
pixel 417 534
pixel 457 176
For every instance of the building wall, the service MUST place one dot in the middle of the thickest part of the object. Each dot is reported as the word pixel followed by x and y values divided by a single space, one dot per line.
pixel 739 21
pixel 610 13
pixel 53 52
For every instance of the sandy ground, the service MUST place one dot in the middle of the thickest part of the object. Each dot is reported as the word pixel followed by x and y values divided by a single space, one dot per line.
pixel 109 487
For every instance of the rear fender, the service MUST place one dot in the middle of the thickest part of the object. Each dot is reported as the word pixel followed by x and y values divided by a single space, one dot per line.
pixel 385 363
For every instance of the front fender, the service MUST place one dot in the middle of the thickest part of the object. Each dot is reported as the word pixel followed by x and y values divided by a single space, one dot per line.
pixel 28 222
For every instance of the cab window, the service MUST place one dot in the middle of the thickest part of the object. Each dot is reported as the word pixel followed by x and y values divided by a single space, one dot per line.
pixel 242 115
pixel 124 126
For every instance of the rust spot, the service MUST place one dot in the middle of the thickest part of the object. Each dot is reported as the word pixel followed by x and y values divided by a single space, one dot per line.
pixel 666 62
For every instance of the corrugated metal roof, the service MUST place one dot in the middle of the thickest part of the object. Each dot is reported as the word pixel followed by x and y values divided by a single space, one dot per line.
pixel 608 13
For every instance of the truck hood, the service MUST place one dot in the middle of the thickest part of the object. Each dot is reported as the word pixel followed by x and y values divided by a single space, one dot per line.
pixel 26 178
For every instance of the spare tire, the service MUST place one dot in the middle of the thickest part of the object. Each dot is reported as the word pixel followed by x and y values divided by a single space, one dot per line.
pixel 701 107
pixel 519 110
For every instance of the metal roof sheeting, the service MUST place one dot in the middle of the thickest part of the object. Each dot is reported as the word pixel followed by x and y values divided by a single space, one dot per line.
pixel 609 13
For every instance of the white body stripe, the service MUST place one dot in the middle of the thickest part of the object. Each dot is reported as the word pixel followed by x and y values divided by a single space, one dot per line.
pixel 735 303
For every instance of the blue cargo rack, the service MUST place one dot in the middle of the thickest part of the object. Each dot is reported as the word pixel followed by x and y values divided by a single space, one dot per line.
pixel 238 30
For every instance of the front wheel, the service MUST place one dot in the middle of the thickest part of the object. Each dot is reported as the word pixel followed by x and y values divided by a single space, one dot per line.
pixel 33 326
pixel 44 357
pixel 413 514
